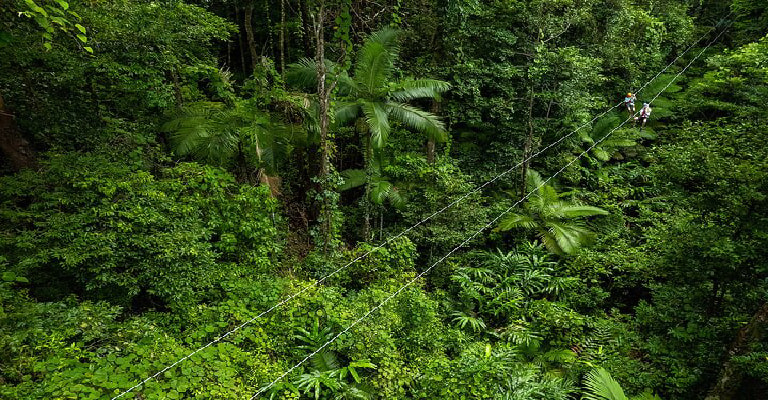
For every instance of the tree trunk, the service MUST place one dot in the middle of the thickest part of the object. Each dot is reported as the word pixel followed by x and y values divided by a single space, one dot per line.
pixel 177 88
pixel 282 39
pixel 249 36
pixel 240 44
pixel 270 44
pixel 306 27
pixel 324 100
pixel 431 151
pixel 527 146
pixel 322 93
pixel 368 175
pixel 431 140
pixel 729 381
pixel 15 148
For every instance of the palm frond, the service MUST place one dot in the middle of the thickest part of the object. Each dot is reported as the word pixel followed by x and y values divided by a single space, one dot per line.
pixel 533 179
pixel 462 320
pixel 375 60
pixel 315 381
pixel 560 356
pixel 601 154
pixel 569 236
pixel 374 67
pixel 186 133
pixel 382 191
pixel 600 385
pixel 303 74
pixel 419 120
pixel 217 147
pixel 565 210
pixel 353 178
pixel 517 221
pixel 378 122
pixel 387 37
pixel 347 112
pixel 550 242
pixel 411 89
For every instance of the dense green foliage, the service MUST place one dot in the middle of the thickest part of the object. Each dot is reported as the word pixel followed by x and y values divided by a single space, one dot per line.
pixel 172 169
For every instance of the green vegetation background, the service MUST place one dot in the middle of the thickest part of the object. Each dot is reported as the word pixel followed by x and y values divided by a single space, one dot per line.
pixel 168 173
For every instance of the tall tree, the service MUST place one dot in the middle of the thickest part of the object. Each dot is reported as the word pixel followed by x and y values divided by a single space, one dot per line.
pixel 374 98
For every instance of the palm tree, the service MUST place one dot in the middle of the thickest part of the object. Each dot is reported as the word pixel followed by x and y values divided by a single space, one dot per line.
pixel 373 97
pixel 558 223
pixel 239 134
pixel 600 385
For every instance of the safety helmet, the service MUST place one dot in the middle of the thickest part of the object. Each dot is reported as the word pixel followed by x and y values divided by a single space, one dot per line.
pixel 645 104
pixel 629 94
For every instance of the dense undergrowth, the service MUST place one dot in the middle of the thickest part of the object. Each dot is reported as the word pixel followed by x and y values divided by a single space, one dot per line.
pixel 170 172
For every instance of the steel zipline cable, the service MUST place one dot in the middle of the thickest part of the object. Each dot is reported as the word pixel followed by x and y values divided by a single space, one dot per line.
pixel 409 229
pixel 471 237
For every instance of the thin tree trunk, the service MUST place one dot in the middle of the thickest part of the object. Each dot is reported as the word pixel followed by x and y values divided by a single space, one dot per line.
pixel 323 98
pixel 15 148
pixel 729 381
pixel 177 88
pixel 306 27
pixel 381 224
pixel 229 54
pixel 431 140
pixel 282 39
pixel 431 150
pixel 240 44
pixel 249 37
pixel 527 146
pixel 270 40
pixel 322 93
pixel 368 175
